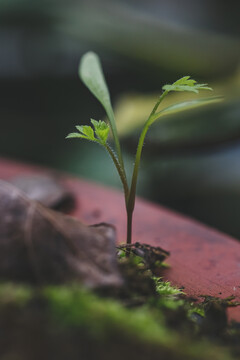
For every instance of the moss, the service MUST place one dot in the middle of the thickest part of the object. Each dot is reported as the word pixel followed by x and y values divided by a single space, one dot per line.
pixel 101 318
pixel 76 306
pixel 85 318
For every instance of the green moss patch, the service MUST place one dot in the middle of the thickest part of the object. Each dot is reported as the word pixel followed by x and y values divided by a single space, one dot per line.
pixel 103 327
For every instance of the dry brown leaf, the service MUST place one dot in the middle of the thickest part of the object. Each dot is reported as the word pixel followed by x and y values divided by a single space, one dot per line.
pixel 41 246
pixel 45 188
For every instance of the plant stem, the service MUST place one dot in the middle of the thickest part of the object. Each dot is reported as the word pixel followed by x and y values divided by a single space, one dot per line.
pixel 120 171
pixel 126 192
pixel 112 122
pixel 132 192
pixel 118 162
pixel 129 227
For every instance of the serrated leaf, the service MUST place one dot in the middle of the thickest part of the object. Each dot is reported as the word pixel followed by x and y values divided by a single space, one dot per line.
pixel 75 135
pixel 185 80
pixel 103 135
pixel 101 125
pixel 203 87
pixel 87 131
pixel 95 123
pixel 79 128
pixel 186 105
pixel 180 88
pixel 101 130
pixel 186 84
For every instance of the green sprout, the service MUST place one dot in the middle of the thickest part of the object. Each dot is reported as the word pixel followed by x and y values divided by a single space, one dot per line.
pixel 90 72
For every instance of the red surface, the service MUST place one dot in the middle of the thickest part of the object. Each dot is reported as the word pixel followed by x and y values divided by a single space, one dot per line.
pixel 202 259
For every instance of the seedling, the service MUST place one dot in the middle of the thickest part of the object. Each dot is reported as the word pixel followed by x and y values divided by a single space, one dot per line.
pixel 90 72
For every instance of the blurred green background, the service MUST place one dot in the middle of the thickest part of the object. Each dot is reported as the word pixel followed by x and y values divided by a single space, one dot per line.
pixel 190 163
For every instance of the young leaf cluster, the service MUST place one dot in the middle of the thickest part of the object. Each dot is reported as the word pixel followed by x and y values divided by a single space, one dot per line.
pixel 99 132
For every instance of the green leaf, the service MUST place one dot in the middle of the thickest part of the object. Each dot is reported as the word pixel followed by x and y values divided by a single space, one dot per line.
pixel 90 72
pixel 186 105
pixel 185 80
pixel 101 130
pixel 87 131
pixel 99 125
pixel 75 135
pixel 186 84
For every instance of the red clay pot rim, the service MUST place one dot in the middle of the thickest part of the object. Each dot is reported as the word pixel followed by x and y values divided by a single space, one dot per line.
pixel 203 260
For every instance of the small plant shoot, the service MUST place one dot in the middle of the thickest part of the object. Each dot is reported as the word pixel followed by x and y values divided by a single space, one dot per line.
pixel 90 72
